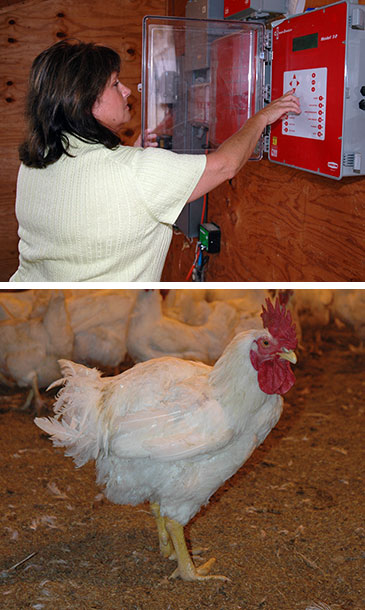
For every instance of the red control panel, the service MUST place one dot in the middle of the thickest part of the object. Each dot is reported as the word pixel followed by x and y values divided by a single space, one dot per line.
pixel 309 56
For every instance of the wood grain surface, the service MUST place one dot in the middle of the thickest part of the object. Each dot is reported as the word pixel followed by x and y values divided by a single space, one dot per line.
pixel 281 224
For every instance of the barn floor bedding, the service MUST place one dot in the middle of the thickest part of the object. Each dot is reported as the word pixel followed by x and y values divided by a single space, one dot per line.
pixel 288 529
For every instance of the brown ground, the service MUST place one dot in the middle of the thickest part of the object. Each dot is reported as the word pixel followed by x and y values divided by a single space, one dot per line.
pixel 288 529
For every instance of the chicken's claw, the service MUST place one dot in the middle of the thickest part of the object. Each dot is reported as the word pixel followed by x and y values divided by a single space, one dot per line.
pixel 199 573
pixel 186 568
pixel 204 569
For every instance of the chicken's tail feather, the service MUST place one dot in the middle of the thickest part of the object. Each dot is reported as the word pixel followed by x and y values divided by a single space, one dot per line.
pixel 77 424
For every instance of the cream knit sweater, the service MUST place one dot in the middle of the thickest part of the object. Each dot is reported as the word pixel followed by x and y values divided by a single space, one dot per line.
pixel 103 215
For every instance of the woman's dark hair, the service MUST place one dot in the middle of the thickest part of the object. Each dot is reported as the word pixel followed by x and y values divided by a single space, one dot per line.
pixel 65 81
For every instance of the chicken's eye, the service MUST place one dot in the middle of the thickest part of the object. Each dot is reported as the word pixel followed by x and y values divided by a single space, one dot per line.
pixel 265 342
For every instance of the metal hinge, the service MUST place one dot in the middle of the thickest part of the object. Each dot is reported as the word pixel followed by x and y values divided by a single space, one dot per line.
pixel 267 92
pixel 268 40
pixel 266 54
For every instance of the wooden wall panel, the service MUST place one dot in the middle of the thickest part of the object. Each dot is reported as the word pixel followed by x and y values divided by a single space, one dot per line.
pixel 26 29
pixel 8 2
pixel 281 224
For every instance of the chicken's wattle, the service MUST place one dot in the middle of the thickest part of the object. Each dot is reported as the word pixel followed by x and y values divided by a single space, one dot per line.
pixel 275 376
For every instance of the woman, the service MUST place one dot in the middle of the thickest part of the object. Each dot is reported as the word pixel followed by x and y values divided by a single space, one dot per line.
pixel 89 208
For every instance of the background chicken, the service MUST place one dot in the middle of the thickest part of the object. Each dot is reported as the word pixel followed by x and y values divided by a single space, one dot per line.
pixel 172 431
pixel 313 309
pixel 314 306
pixel 195 307
pixel 99 321
pixel 23 305
pixel 188 306
pixel 348 307
pixel 152 334
pixel 31 346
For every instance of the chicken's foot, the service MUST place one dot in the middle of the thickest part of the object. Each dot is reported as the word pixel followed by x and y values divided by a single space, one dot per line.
pixel 166 546
pixel 185 566
pixel 34 397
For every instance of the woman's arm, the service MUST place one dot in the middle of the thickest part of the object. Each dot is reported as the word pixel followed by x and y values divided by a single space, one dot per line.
pixel 225 162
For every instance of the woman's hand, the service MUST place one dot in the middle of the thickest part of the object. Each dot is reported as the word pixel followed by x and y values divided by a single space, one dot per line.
pixel 224 163
pixel 280 107
pixel 150 139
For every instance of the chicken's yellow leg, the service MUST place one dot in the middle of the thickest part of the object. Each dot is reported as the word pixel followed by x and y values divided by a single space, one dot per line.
pixel 34 396
pixel 185 566
pixel 166 546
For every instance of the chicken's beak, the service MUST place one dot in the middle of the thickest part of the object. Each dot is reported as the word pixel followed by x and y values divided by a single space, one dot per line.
pixel 288 355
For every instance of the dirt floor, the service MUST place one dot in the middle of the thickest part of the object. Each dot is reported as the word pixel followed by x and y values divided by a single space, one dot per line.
pixel 288 529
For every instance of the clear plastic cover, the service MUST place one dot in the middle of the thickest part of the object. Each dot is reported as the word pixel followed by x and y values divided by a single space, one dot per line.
pixel 202 79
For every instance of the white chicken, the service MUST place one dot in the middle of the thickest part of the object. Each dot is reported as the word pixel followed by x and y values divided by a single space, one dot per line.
pixel 314 307
pixel 188 306
pixel 31 348
pixel 191 307
pixel 252 297
pixel 152 334
pixel 171 431
pixel 99 321
pixel 23 304
pixel 349 306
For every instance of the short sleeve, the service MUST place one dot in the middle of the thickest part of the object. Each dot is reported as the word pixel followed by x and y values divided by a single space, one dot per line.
pixel 166 180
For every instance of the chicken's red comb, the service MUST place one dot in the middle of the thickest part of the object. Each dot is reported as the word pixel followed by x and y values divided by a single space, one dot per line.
pixel 278 322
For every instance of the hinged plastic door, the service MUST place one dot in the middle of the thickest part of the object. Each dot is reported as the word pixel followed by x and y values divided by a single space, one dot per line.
pixel 202 79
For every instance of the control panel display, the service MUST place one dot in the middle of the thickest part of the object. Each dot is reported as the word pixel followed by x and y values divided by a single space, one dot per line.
pixel 301 43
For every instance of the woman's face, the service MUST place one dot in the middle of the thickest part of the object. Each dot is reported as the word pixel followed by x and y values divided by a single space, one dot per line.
pixel 111 108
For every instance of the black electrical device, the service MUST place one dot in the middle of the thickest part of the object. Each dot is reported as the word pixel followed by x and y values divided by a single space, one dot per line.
pixel 210 237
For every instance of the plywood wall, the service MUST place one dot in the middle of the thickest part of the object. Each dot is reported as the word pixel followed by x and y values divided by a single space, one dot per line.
pixel 27 29
pixel 281 224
